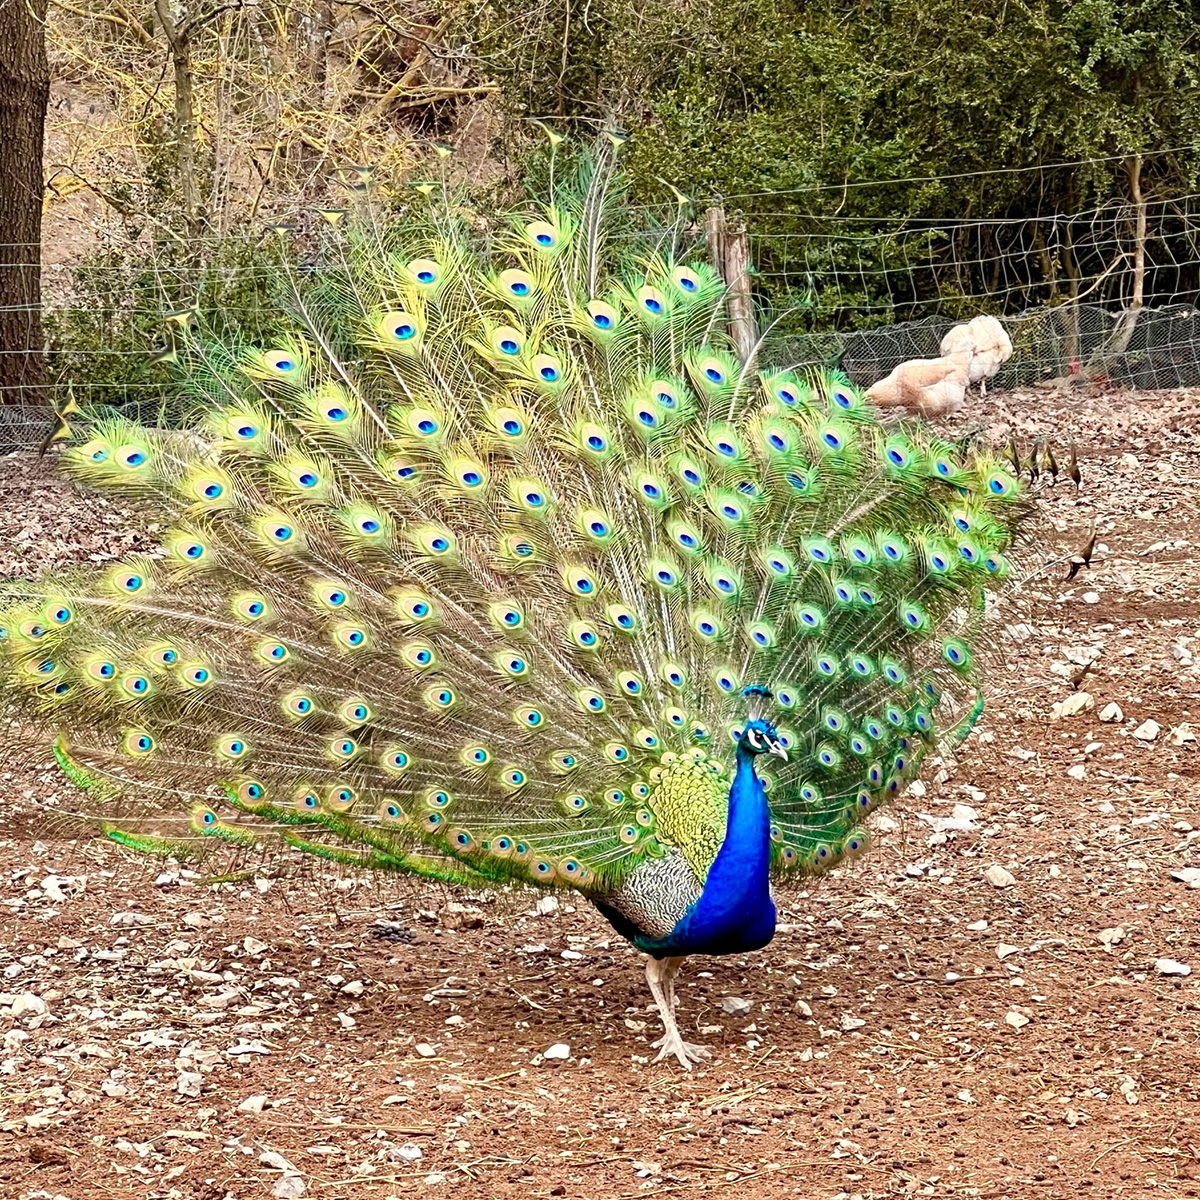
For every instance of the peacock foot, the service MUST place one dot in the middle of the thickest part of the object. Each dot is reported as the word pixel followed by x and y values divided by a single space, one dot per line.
pixel 686 1052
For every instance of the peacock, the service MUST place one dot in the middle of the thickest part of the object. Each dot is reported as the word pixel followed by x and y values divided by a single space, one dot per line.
pixel 495 564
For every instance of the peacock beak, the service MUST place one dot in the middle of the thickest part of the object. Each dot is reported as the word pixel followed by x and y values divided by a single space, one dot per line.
pixel 778 750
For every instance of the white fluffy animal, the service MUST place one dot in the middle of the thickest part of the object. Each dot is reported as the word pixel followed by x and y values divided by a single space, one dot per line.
pixel 933 387
pixel 985 338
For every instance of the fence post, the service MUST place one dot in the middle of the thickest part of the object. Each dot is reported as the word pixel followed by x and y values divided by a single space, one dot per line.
pixel 729 253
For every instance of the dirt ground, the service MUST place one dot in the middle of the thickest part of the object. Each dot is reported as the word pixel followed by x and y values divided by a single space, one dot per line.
pixel 913 1029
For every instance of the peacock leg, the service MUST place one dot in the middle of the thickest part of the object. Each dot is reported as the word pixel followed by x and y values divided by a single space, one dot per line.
pixel 660 975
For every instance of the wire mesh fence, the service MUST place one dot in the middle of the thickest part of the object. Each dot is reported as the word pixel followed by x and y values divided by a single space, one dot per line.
pixel 864 294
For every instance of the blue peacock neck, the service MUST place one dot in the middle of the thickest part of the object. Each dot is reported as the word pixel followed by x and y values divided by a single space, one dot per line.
pixel 735 912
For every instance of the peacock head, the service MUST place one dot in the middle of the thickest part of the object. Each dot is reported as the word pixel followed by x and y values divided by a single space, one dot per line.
pixel 759 737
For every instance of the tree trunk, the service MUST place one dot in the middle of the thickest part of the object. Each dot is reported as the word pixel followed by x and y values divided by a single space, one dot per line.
pixel 24 93
pixel 178 35
pixel 1118 342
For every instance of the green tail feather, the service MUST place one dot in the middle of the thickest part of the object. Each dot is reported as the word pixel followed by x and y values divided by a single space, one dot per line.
pixel 465 572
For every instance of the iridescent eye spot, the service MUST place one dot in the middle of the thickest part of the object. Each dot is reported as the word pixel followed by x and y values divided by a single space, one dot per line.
pixel 666 399
pixel 282 533
pixel 691 477
pixel 596 442
pixel 472 478
pixel 726 448
pixel 707 628
pixel 403 331
pixel 212 491
pixel 549 374
pixel 625 621
pixel 336 414
pixel 896 457
pixel 508 346
pixel 653 305
pixel 405 472
pixel 731 512
pixel 247 431
pixel 786 395
pixel 938 561
pixel 776 442
pixel 797 481
pixel 307 480
pixel 519 287
pixel 511 427
pixel 832 439
pixel 426 426
pixel 713 375
pixel 99 456
pixel 425 276
pixel 602 320
pixel 106 670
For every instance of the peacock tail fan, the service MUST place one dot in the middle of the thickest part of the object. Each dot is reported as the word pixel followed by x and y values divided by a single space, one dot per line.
pixel 465 570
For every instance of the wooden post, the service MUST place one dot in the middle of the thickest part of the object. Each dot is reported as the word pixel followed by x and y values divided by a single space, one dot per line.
pixel 729 253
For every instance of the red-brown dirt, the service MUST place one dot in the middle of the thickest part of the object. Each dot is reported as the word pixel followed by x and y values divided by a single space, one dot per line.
pixel 913 1029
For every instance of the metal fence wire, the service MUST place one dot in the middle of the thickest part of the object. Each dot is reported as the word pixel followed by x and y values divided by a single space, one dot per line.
pixel 1154 348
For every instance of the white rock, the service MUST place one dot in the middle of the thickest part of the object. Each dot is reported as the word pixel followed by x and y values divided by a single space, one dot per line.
pixel 955 823
pixel 977 926
pixel 1090 597
pixel 253 1104
pixel 560 1051
pixel 1112 936
pixel 1168 966
pixel 850 1022
pixel 1016 1020
pixel 547 905
pixel 425 1050
pixel 1111 713
pixel 998 877
pixel 189 1083
pixel 251 1047
pixel 1004 950
pixel 1188 875
pixel 354 988
pixel 288 1187
pixel 28 1004
pixel 1077 772
pixel 130 918
pixel 253 946
pixel 408 1153
pixel 1147 731
pixel 735 1006
pixel 1072 705
pixel 571 955
pixel 1181 734
pixel 346 1021
pixel 886 824
pixel 52 889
